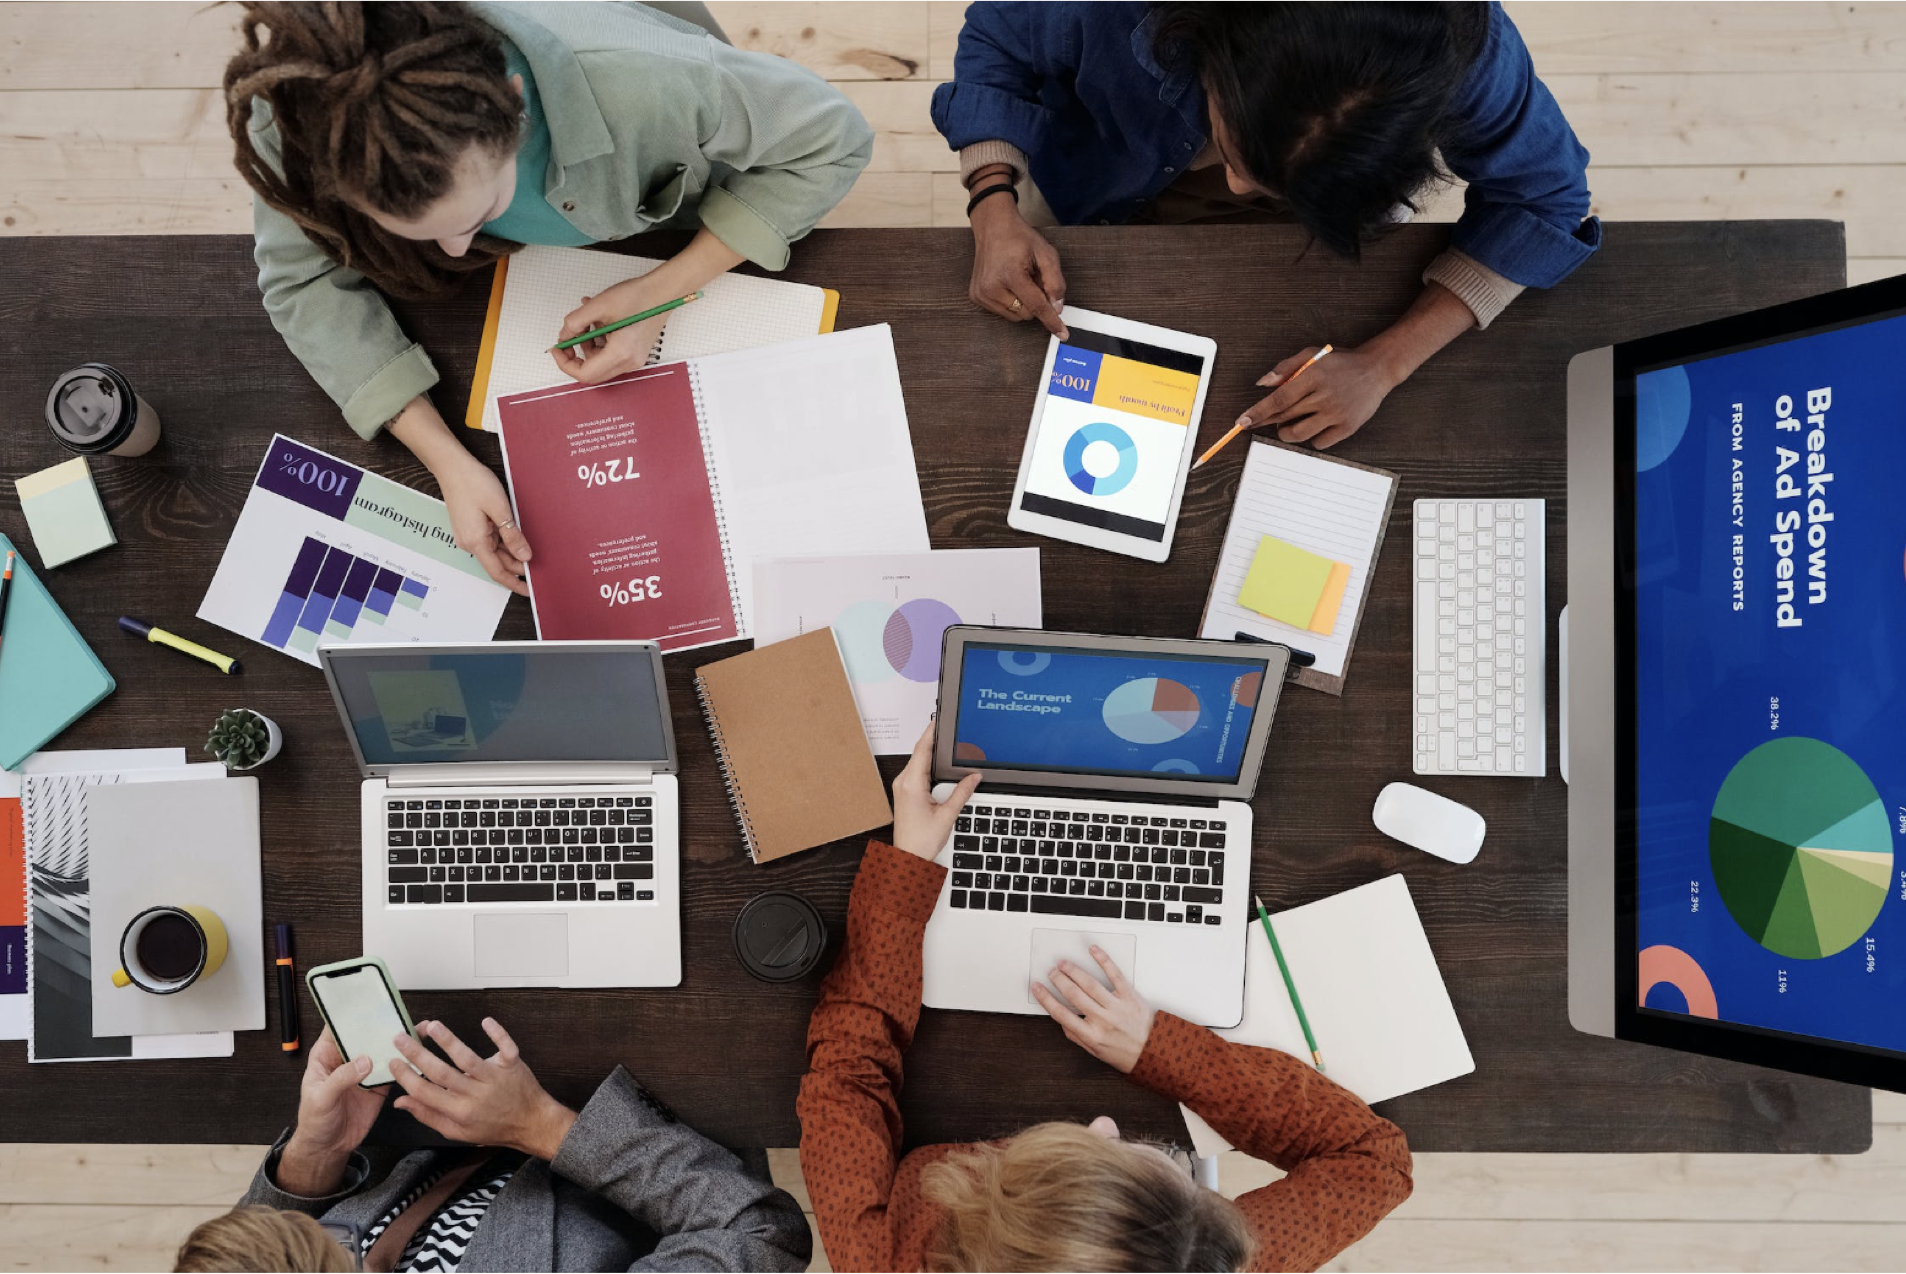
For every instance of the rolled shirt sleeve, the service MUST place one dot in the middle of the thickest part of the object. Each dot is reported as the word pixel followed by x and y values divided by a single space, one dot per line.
pixel 795 143
pixel 1005 53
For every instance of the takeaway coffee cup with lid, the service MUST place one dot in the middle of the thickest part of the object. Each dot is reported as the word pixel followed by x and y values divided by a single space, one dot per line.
pixel 93 410
pixel 779 936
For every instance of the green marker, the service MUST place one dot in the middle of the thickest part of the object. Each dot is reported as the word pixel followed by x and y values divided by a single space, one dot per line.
pixel 1264 918
pixel 619 324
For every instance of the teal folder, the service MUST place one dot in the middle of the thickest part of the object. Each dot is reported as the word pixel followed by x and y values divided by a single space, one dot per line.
pixel 49 676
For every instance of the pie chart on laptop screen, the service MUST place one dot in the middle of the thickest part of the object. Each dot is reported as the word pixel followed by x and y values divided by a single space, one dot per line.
pixel 1151 710
pixel 1801 848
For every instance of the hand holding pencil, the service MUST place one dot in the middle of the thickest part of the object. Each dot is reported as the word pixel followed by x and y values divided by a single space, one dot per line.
pixel 614 331
pixel 1247 421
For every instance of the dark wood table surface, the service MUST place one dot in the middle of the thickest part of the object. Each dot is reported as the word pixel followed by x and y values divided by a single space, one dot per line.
pixel 181 317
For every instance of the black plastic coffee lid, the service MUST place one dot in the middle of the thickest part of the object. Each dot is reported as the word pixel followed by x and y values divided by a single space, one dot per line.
pixel 779 936
pixel 92 408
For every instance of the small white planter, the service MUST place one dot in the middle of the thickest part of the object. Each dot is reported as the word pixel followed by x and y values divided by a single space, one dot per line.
pixel 275 739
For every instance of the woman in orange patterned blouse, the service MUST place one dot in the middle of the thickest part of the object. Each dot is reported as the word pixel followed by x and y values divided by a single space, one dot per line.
pixel 1058 1196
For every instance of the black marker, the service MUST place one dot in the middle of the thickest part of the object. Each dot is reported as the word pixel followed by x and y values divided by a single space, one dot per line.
pixel 1299 658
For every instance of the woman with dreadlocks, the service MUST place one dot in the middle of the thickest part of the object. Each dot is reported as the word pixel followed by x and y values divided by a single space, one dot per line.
pixel 392 147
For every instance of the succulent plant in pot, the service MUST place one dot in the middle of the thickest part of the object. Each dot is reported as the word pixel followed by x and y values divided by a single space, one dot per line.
pixel 244 739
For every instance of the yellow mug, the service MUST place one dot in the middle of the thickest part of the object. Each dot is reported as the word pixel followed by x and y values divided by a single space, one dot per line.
pixel 166 949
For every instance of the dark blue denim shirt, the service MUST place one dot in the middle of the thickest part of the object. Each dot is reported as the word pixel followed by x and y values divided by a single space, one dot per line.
pixel 1105 128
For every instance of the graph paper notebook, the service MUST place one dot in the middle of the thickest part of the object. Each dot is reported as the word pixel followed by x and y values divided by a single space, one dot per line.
pixel 1322 505
pixel 790 744
pixel 536 287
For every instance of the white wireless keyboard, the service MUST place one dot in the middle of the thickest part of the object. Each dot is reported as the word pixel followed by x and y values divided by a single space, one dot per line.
pixel 1481 658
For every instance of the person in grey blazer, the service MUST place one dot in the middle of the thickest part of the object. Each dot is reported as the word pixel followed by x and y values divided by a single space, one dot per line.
pixel 620 1184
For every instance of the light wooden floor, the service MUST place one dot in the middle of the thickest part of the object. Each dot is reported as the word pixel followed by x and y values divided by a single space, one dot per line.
pixel 110 123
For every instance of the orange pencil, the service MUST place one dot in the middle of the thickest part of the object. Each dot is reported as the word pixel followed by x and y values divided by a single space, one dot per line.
pixel 1239 428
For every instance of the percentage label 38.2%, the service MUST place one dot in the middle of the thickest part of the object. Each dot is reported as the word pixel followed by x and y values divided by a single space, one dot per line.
pixel 642 588
pixel 602 473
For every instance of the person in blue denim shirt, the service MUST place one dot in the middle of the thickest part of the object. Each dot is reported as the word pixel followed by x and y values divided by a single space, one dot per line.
pixel 1337 116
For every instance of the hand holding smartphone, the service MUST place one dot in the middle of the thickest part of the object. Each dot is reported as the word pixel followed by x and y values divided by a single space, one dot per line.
pixel 361 1005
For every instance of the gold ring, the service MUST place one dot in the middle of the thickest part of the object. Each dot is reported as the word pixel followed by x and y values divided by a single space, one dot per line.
pixel 504 526
pixel 1016 307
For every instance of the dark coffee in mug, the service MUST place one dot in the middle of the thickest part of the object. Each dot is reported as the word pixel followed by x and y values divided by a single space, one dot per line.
pixel 169 946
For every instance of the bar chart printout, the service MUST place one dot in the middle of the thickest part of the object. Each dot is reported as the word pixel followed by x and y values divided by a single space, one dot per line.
pixel 332 593
pixel 327 552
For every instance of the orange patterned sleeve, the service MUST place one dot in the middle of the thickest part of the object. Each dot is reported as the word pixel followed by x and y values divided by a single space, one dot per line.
pixel 850 1098
pixel 1346 1166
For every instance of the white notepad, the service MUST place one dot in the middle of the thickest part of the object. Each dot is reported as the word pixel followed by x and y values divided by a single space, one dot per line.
pixel 1371 989
pixel 542 285
pixel 1326 506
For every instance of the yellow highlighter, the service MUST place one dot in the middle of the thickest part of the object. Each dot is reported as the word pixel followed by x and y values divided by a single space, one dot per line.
pixel 139 628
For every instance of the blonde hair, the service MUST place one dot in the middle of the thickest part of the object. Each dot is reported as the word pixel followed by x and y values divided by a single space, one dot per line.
pixel 247 1239
pixel 1061 1197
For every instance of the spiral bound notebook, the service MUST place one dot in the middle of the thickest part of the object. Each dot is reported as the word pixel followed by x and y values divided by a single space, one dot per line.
pixel 536 288
pixel 649 497
pixel 788 737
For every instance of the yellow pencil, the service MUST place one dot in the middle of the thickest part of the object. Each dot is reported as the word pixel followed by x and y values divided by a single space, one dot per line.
pixel 1241 426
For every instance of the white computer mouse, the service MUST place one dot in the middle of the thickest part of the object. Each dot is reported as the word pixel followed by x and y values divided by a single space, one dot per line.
pixel 1434 824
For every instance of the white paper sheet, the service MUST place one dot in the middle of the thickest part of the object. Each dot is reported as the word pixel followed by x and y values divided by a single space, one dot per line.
pixel 811 451
pixel 889 611
pixel 15 1020
pixel 1330 509
pixel 737 311
pixel 1371 989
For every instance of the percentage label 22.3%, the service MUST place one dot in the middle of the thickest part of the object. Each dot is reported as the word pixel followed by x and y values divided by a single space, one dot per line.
pixel 602 473
pixel 642 588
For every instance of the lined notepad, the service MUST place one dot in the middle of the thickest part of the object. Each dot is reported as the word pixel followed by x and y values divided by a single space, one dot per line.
pixel 537 287
pixel 1322 505
pixel 1371 989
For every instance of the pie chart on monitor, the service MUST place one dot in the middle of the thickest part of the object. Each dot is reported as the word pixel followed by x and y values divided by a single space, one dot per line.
pixel 1801 848
pixel 1151 710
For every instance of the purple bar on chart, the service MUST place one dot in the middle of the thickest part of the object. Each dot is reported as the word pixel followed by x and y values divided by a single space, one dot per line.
pixel 412 594
pixel 304 571
pixel 324 593
pixel 357 585
pixel 383 591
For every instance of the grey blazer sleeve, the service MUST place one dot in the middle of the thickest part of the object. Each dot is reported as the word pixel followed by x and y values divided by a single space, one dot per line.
pixel 709 1212
pixel 264 1191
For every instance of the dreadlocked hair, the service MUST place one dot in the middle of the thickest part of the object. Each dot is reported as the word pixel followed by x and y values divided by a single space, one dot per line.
pixel 375 106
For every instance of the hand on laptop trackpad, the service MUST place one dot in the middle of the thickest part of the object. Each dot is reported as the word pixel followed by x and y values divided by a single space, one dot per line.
pixel 522 946
pixel 1049 946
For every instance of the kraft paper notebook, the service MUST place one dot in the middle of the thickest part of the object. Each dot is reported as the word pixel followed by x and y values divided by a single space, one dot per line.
pixel 1371 989
pixel 787 734
pixel 536 287
pixel 1299 516
pixel 49 676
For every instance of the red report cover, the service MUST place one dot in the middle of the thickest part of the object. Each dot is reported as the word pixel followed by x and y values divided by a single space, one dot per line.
pixel 612 491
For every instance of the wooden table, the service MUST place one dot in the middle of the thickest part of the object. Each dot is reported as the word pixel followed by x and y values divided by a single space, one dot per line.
pixel 181 318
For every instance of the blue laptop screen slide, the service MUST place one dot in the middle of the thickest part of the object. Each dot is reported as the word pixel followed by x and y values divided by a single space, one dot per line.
pixel 496 706
pixel 1770 659
pixel 1085 711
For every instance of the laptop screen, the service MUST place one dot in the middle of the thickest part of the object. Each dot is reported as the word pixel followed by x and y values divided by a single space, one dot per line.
pixel 502 705
pixel 1082 711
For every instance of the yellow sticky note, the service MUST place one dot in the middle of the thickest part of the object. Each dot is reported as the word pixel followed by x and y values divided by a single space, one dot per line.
pixel 1285 582
pixel 1324 619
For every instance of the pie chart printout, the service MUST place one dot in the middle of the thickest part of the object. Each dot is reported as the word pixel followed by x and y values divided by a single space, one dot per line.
pixel 1801 848
pixel 1151 710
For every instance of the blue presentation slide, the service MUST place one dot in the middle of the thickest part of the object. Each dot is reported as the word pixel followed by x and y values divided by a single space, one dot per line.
pixel 1771 678
pixel 1042 709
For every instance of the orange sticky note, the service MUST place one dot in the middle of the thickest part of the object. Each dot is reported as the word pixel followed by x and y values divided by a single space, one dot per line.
pixel 1324 620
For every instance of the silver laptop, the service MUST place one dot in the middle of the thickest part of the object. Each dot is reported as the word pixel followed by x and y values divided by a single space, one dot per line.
pixel 519 812
pixel 1113 812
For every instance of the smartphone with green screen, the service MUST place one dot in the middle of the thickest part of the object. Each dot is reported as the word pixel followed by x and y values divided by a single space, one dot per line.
pixel 361 1005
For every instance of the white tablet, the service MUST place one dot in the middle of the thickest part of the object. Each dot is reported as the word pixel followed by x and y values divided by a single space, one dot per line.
pixel 1112 435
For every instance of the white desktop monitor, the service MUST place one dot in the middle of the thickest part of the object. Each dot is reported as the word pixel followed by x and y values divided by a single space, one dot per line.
pixel 1736 687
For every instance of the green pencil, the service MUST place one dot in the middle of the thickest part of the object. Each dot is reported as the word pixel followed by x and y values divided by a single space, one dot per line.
pixel 619 324
pixel 1264 918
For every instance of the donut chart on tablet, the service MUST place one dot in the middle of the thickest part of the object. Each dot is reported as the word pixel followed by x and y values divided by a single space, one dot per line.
pixel 1101 458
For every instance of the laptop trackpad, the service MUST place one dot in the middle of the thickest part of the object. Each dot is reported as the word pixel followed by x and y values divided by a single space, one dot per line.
pixel 1049 946
pixel 520 946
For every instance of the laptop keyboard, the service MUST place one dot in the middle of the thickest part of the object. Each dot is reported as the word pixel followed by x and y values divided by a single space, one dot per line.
pixel 1062 862
pixel 520 849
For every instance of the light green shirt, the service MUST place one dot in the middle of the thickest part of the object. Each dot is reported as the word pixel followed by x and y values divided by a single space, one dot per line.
pixel 530 218
pixel 653 123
